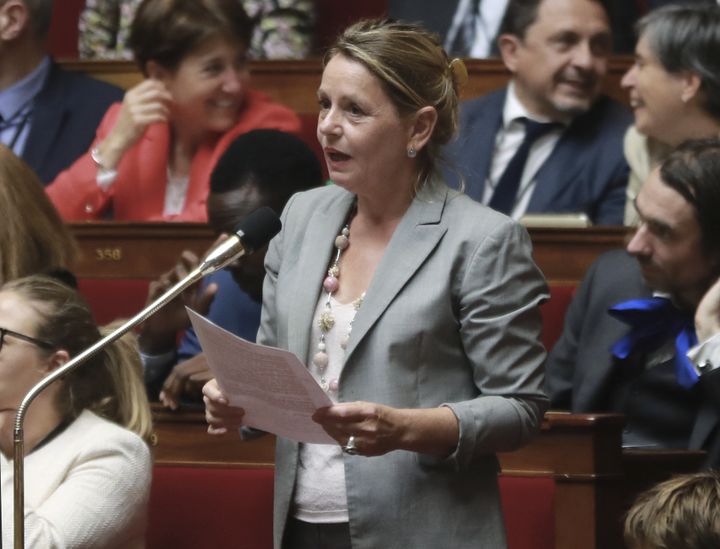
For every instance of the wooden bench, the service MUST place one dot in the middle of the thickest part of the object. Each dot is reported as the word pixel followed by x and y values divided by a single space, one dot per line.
pixel 118 260
pixel 111 250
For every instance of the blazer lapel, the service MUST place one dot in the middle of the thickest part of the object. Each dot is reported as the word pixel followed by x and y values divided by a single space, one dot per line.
pixel 416 236
pixel 314 260
pixel 153 151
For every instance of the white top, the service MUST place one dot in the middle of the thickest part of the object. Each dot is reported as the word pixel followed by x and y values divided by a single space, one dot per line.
pixel 508 141
pixel 175 194
pixel 175 190
pixel 87 487
pixel 320 495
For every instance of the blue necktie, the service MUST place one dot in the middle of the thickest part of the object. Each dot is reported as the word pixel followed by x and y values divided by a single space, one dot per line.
pixel 653 321
pixel 503 199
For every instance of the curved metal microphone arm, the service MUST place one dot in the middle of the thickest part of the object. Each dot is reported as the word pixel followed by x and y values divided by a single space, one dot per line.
pixel 207 266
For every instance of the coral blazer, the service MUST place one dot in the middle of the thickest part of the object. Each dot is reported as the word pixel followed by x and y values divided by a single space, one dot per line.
pixel 138 192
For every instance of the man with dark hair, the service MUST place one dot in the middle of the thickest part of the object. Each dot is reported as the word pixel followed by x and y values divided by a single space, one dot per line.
pixel 48 116
pixel 629 342
pixel 260 168
pixel 549 142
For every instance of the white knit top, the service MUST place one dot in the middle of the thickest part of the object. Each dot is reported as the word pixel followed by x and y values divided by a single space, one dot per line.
pixel 87 487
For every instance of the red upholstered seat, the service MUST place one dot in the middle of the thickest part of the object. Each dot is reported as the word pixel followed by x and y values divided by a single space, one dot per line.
pixel 210 508
pixel 112 298
pixel 528 508
pixel 553 313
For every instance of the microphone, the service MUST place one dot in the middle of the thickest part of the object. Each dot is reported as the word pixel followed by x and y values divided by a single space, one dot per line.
pixel 251 233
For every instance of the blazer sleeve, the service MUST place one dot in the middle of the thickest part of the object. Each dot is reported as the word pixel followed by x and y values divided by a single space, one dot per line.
pixel 500 327
pixel 75 192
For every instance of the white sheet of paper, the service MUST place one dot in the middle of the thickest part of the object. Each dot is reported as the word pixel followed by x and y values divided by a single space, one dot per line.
pixel 275 389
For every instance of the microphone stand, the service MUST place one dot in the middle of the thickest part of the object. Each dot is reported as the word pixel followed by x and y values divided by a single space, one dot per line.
pixel 226 252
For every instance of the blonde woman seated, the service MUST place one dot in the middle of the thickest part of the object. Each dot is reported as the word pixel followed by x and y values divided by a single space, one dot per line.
pixel 87 467
pixel 33 236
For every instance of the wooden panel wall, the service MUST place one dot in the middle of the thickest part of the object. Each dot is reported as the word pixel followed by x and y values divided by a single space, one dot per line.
pixel 146 250
pixel 294 83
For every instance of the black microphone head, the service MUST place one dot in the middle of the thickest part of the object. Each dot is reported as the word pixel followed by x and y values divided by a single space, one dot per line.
pixel 258 228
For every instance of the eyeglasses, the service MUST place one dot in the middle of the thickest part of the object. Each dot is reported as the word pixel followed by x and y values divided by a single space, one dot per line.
pixel 39 342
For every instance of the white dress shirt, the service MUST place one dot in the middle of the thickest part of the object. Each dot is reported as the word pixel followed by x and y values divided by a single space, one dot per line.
pixel 508 141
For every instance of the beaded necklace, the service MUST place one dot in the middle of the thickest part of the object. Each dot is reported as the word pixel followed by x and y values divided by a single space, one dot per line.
pixel 326 320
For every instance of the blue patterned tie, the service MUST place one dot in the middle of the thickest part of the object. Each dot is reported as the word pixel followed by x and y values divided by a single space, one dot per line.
pixel 503 199
pixel 653 321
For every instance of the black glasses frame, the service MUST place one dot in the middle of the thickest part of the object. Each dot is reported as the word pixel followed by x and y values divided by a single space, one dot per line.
pixel 39 342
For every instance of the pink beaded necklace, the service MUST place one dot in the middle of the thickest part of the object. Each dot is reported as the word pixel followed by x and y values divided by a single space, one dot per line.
pixel 326 320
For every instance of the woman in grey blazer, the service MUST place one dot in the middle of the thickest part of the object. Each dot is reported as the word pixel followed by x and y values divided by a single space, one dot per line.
pixel 414 307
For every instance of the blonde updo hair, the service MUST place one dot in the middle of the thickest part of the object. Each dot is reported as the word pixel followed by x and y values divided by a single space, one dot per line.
pixel 415 72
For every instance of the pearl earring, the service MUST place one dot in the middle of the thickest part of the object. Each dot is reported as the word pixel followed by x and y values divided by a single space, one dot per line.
pixel 411 152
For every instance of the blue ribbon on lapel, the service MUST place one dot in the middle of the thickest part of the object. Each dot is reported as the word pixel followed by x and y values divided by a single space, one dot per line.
pixel 653 321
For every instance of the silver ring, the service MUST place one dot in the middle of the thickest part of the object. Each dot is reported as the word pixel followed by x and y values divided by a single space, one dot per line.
pixel 350 448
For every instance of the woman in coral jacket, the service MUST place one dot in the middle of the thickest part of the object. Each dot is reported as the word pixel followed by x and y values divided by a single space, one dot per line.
pixel 153 154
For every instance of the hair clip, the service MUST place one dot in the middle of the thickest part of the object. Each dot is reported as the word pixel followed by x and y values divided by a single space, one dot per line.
pixel 459 72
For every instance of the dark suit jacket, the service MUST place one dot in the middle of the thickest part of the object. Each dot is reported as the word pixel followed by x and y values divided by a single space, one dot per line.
pixel 66 113
pixel 586 172
pixel 582 376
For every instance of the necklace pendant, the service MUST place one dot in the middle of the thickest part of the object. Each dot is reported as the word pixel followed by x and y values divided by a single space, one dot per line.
pixel 324 385
pixel 320 360
pixel 334 385
pixel 342 241
pixel 331 284
pixel 326 321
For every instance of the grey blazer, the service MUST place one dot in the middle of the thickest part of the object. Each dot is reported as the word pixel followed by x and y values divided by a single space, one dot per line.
pixel 451 316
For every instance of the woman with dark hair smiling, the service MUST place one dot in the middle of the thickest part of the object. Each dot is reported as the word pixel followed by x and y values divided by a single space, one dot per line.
pixel 154 153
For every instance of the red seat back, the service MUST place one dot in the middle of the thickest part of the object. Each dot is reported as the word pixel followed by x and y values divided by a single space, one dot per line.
pixel 553 313
pixel 210 508
pixel 528 508
pixel 112 298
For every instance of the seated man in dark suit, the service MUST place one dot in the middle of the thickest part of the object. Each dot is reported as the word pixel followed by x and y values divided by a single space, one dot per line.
pixel 260 168
pixel 48 116
pixel 627 333
pixel 549 142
